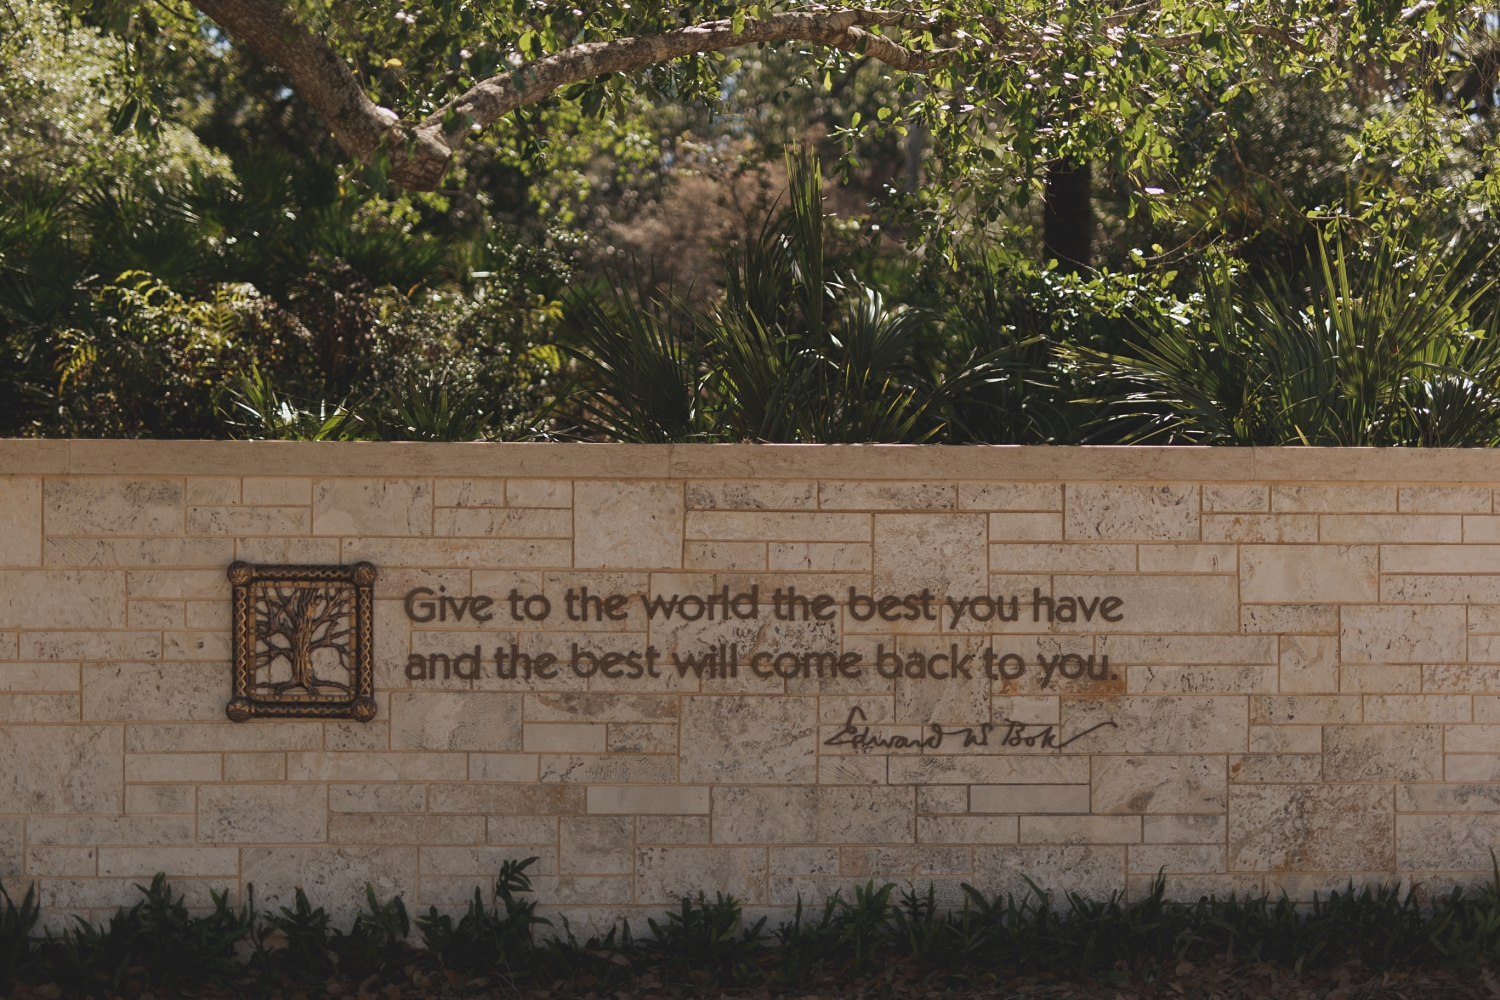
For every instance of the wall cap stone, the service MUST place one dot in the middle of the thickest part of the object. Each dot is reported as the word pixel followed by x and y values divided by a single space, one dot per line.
pixel 1114 463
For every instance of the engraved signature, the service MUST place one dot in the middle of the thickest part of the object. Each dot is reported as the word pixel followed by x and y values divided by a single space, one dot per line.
pixel 1008 733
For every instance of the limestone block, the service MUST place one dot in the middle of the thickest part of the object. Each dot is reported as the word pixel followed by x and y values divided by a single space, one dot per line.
pixel 511 830
pixel 1159 784
pixel 392 828
pixel 357 735
pixel 322 765
pixel 1314 574
pixel 1193 650
pixel 506 799
pixel 1134 512
pixel 666 874
pixel 1481 798
pixel 661 800
pixel 1422 634
pixel 504 767
pixel 1471 767
pixel 642 769
pixel 634 737
pixel 671 829
pixel 1418 708
pixel 828 557
pixel 1187 558
pixel 1472 739
pixel 627 525
pixel 193 645
pixel 1028 798
pixel 1208 829
pixel 1445 844
pixel 483 553
pixel 156 615
pixel 832 527
pixel 1158 724
pixel 61 769
pixel 1276 768
pixel 1444 499
pixel 1341 499
pixel 224 736
pixel 286 491
pixel 826 814
pixel 1236 497
pixel 1094 872
pixel 309 551
pixel 62 598
pixel 1305 709
pixel 1390 528
pixel 170 584
pixel 1438 558
pixel 1080 829
pixel 1303 618
pixel 904 862
pixel 351 506
pixel 205 615
pixel 38 708
pixel 1278 528
pixel 539 493
pixel 1155 603
pixel 728 495
pixel 159 799
pixel 455 720
pixel 564 738
pixel 729 555
pixel 1403 588
pixel 334 877
pixel 600 707
pixel 942 799
pixel 1384 678
pixel 109 506
pixel 1028 709
pixel 382 797
pixel 737 739
pixel 58 862
pixel 1035 527
pixel 1247 679
pixel 1070 557
pixel 1344 828
pixel 1309 663
pixel 123 831
pixel 250 814
pixel 597 845
pixel 1007 769
pixel 39 677
pixel 512 522
pixel 161 692
pixel 180 862
pixel 1481 528
pixel 853 770
pixel 164 551
pixel 973 830
pixel 20 521
pixel 939 552
pixel 803 861
pixel 173 767
pixel 1009 496
pixel 482 863
pixel 1382 753
pixel 213 489
pixel 1185 858
pixel 887 496
pixel 249 520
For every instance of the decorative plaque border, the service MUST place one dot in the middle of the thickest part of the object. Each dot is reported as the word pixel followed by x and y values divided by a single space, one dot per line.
pixel 354 643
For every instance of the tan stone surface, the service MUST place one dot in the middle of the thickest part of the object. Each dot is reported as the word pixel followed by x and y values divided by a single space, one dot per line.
pixel 1303 685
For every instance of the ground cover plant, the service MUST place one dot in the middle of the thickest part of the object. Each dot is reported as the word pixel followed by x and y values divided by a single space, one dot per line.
pixel 885 940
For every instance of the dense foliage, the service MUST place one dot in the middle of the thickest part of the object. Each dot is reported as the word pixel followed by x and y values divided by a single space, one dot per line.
pixel 1260 223
pixel 878 934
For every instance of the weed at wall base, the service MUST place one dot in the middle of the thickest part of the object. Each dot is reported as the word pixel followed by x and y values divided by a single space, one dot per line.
pixel 702 942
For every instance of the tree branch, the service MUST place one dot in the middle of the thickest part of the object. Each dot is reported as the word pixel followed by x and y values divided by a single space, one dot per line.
pixel 432 144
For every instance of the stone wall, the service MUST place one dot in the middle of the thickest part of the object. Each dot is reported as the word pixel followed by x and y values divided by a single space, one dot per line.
pixel 1265 671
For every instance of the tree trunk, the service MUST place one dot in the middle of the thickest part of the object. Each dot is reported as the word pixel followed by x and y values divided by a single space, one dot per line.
pixel 1068 224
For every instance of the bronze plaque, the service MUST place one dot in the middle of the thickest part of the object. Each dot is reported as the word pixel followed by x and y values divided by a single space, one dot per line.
pixel 303 647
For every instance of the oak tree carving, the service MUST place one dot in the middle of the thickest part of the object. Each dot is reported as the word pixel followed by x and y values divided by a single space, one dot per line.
pixel 294 623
